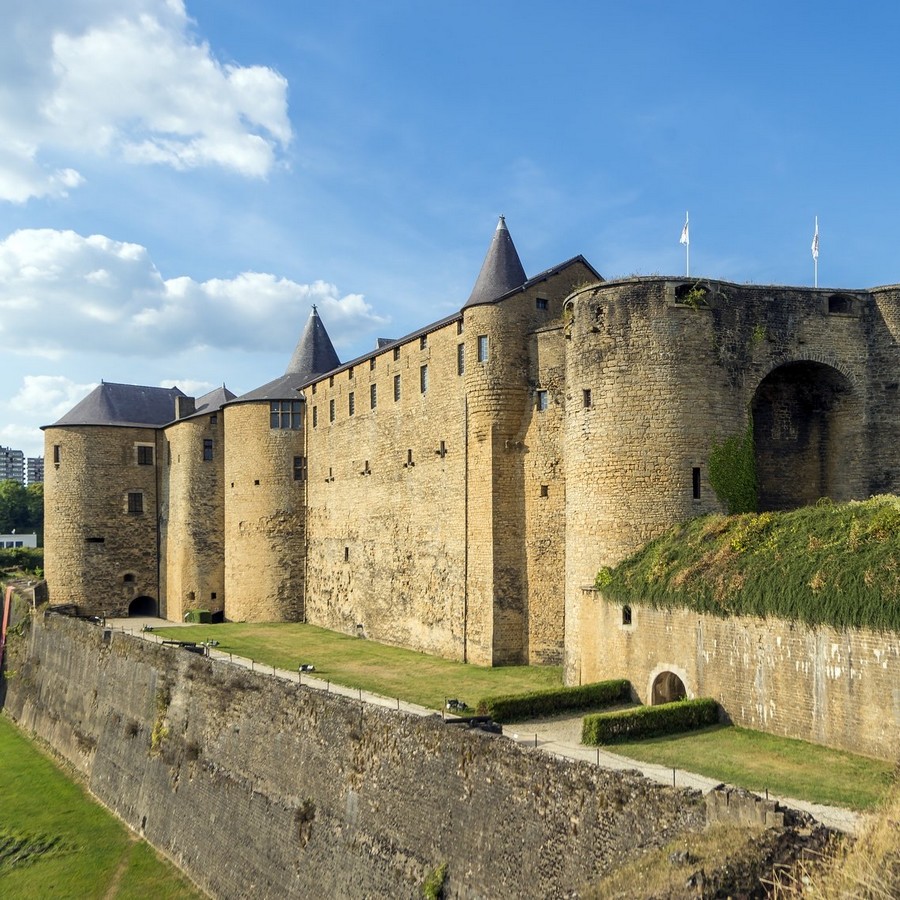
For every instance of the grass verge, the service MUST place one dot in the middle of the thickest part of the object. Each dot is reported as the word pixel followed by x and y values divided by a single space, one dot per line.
pixel 355 662
pixel 759 761
pixel 63 844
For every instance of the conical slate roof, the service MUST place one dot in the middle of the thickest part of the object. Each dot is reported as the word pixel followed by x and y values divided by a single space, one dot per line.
pixel 314 353
pixel 501 271
pixel 124 404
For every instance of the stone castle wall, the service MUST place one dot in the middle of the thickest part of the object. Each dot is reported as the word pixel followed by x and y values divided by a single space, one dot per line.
pixel 667 379
pixel 265 523
pixel 835 687
pixel 99 555
pixel 257 787
pixel 192 516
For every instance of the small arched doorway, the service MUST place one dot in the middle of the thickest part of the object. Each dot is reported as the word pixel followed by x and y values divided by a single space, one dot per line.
pixel 807 428
pixel 142 606
pixel 667 688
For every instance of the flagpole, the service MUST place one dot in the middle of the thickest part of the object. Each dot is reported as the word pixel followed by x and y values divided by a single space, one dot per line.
pixel 815 254
pixel 686 240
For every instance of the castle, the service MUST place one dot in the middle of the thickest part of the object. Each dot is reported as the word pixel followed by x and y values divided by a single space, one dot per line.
pixel 455 490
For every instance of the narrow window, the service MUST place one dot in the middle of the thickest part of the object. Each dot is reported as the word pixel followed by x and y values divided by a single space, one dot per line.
pixel 442 450
pixel 586 398
pixel 350 373
pixel 214 419
pixel 459 327
pixel 545 490
pixel 331 381
pixel 460 359
pixel 423 342
pixel 207 450
pixel 56 454
pixel 331 410
pixel 314 389
pixel 423 379
pixel 346 554
pixel 482 348
pixel 144 456
pixel 299 468
pixel 373 395
pixel 95 540
pixel 626 615
pixel 396 387
pixel 315 416
pixel 372 364
pixel 136 503
pixel 396 353
pixel 351 403
pixel 695 478
pixel 541 400
pixel 409 459
pixel 168 454
pixel 541 303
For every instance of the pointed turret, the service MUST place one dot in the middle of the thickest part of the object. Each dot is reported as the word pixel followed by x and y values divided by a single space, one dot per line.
pixel 501 271
pixel 314 353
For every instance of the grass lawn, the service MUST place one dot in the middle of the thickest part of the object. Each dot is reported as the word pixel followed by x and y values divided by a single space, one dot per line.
pixel 757 761
pixel 56 841
pixel 389 671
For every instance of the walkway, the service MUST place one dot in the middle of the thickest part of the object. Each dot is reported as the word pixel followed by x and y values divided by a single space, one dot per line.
pixel 560 737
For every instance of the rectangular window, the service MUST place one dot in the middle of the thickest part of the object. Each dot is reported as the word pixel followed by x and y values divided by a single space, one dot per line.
pixel 423 379
pixel 586 398
pixel 315 416
pixel 314 389
pixel 285 414
pixel 423 342
pixel 396 353
pixel 207 450
pixel 350 373
pixel 545 490
pixel 372 364
pixel 144 456
pixel 56 454
pixel 541 303
pixel 331 410
pixel 482 348
pixel 214 419
pixel 409 459
pixel 541 400
pixel 168 454
pixel 460 359
pixel 695 478
pixel 299 468
pixel 459 327
pixel 373 395
pixel 331 381
pixel 136 503
pixel 396 387
pixel 351 403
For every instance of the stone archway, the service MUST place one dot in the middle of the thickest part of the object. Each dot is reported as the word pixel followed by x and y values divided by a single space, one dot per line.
pixel 807 430
pixel 143 606
pixel 667 688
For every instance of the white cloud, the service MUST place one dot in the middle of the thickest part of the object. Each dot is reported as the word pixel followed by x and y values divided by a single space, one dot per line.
pixel 53 395
pixel 189 386
pixel 94 294
pixel 126 79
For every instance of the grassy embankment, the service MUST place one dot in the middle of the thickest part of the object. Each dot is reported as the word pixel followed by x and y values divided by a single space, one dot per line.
pixel 55 841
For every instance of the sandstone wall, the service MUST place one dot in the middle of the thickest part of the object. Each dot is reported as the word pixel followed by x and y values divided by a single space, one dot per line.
pixel 259 788
pixel 669 378
pixel 99 555
pixel 838 688
pixel 192 516
pixel 264 518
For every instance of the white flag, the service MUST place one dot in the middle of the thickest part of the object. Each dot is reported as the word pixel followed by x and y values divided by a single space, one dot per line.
pixel 685 234
pixel 815 243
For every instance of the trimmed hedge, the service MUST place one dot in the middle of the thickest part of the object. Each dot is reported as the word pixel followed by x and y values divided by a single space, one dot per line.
pixel 546 703
pixel 649 721
pixel 203 616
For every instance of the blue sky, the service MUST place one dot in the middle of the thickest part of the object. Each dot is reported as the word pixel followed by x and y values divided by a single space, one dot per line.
pixel 179 182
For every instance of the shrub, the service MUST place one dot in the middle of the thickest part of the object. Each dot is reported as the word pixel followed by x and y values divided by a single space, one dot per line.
pixel 203 616
pixel 649 721
pixel 30 559
pixel 546 703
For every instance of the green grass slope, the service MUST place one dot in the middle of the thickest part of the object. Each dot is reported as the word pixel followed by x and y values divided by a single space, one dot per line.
pixel 831 564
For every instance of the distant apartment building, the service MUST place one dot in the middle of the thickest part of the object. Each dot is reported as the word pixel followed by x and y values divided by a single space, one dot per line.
pixel 12 465
pixel 35 469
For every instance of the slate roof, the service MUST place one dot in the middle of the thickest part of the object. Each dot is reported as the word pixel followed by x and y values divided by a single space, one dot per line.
pixel 501 271
pixel 284 387
pixel 314 353
pixel 124 404
pixel 211 402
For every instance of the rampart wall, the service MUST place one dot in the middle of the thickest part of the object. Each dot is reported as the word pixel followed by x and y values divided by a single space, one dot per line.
pixel 257 787
pixel 835 687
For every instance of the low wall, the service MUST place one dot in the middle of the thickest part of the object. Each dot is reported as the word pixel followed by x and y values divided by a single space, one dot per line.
pixel 835 687
pixel 257 787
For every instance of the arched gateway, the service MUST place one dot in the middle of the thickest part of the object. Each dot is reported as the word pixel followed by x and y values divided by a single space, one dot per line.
pixel 143 606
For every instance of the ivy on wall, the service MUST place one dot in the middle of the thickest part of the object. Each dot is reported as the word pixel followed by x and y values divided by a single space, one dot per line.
pixel 732 471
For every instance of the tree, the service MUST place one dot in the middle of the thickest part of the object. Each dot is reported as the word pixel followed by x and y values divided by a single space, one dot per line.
pixel 13 506
pixel 35 503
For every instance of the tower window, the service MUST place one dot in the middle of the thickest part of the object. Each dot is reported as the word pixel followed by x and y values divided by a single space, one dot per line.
pixel 460 359
pixel 423 379
pixel 372 364
pixel 331 410
pixel 396 353
pixel 315 416
pixel 482 348
pixel 214 419
pixel 626 615
pixel 351 403
pixel 423 342
pixel 695 482
pixel 541 400
pixel 56 454
pixel 586 398
pixel 396 387
pixel 545 490
pixel 285 414
pixel 207 450
pixel 459 326
pixel 299 468
pixel 373 395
